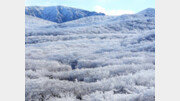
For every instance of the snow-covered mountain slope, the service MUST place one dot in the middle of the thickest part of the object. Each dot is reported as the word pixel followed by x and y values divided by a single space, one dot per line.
pixel 97 58
pixel 94 20
pixel 58 14
pixel 36 23
pixel 150 12
pixel 102 24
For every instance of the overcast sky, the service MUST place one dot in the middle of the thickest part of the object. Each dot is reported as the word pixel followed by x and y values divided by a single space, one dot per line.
pixel 109 7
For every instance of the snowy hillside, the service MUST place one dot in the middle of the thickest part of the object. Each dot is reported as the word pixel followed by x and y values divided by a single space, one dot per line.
pixel 58 14
pixel 96 58
pixel 101 24
pixel 36 23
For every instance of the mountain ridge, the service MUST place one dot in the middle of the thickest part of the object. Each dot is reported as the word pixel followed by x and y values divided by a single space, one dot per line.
pixel 58 14
pixel 141 21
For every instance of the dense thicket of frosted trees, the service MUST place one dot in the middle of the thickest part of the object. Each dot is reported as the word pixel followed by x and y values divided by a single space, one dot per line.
pixel 97 58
